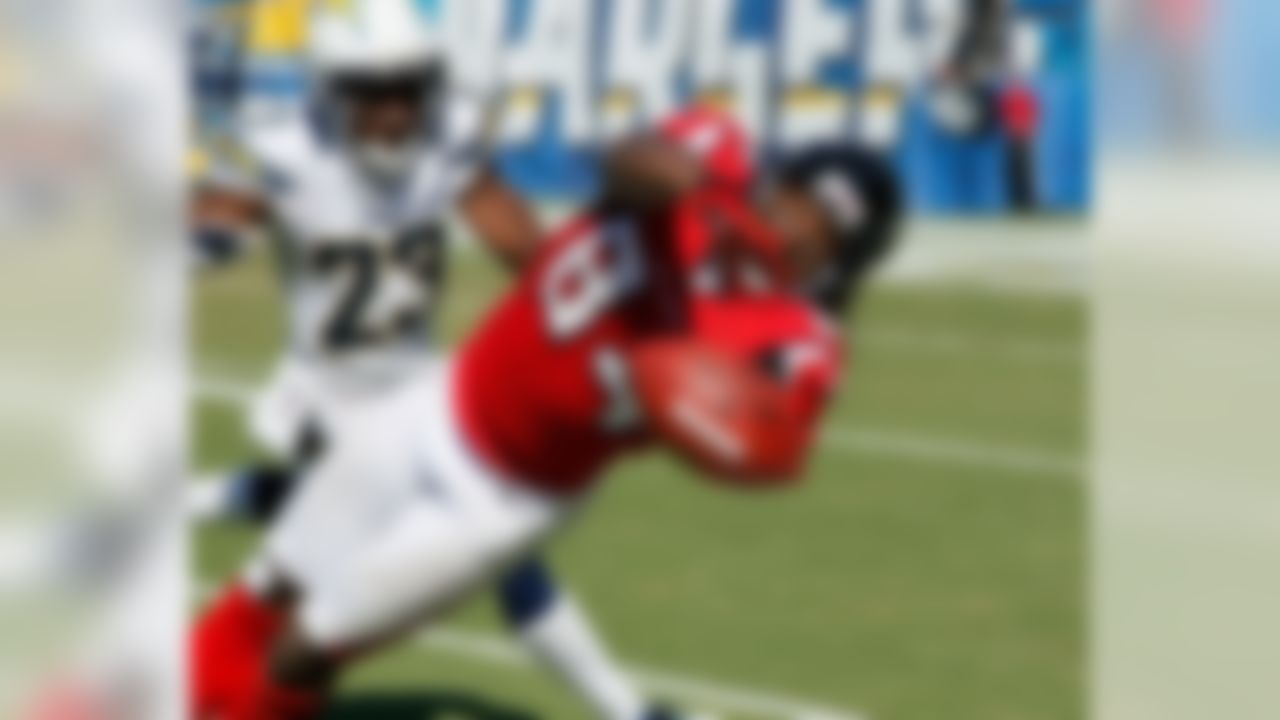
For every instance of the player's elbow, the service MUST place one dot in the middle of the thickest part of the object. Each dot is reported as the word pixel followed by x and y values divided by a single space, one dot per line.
pixel 503 219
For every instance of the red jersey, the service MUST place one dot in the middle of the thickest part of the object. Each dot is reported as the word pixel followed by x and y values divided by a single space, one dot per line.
pixel 543 387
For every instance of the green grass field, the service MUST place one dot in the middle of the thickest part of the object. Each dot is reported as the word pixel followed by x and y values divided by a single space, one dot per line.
pixel 932 568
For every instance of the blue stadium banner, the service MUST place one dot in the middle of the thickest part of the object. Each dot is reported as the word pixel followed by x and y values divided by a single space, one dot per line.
pixel 985 107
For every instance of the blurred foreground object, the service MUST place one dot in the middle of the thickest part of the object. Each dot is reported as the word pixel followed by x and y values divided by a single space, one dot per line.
pixel 91 419
pixel 1187 511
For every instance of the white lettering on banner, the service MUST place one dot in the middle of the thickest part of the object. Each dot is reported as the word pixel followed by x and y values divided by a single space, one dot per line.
pixel 730 74
pixel 653 49
pixel 905 42
pixel 813 34
pixel 889 56
pixel 474 32
pixel 648 43
pixel 552 56
pixel 942 21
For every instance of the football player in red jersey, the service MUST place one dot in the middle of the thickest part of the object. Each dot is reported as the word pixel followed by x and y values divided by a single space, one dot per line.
pixel 648 296
pixel 671 313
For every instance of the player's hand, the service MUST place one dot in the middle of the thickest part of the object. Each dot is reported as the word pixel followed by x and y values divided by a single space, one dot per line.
pixel 726 417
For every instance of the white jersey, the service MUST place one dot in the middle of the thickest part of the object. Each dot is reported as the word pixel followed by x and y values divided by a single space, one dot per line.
pixel 362 263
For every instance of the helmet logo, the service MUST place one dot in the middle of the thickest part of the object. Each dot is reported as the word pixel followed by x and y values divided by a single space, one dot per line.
pixel 841 200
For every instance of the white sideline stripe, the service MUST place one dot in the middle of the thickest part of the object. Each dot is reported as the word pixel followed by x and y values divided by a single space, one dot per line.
pixel 891 444
pixel 693 690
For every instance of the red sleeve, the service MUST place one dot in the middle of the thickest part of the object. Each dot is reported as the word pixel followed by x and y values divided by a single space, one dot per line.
pixel 719 140
pixel 781 438
pixel 811 370
pixel 814 383
pixel 800 352
pixel 725 152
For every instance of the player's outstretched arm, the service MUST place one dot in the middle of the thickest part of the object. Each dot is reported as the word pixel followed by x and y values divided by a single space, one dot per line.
pixel 727 418
pixel 214 206
pixel 502 218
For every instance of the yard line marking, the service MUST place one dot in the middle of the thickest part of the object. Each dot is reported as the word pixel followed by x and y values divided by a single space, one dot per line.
pixel 953 452
pixel 224 391
pixel 697 691
pixel 921 448
pixel 950 343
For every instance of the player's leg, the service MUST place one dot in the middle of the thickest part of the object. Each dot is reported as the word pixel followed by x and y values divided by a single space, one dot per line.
pixel 292 421
pixel 412 573
pixel 232 638
pixel 229 646
pixel 552 625
pixel 258 492
pixel 431 556
pixel 556 629
pixel 452 526
pixel 340 504
pixel 253 494
pixel 238 639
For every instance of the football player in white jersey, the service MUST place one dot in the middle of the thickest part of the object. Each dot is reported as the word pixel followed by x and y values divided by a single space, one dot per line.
pixel 353 191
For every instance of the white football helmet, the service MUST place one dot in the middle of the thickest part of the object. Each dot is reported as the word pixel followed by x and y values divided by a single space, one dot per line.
pixel 362 50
